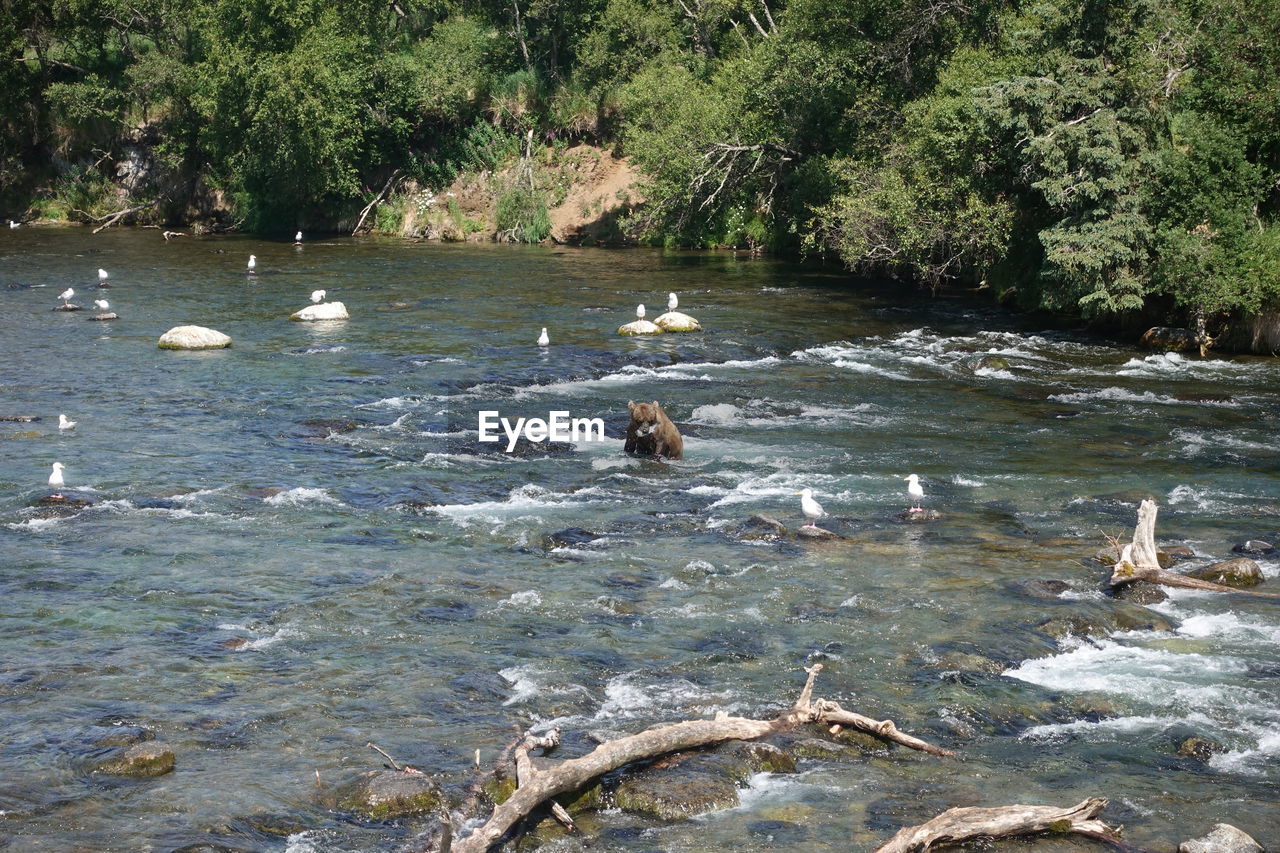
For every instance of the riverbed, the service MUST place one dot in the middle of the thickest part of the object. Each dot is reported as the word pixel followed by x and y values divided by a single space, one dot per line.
pixel 298 546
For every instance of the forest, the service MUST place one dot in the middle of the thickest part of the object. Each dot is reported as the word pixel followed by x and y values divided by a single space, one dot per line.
pixel 1096 158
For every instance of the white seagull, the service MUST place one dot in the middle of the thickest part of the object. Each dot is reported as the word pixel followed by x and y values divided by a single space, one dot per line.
pixel 253 263
pixel 102 304
pixel 63 423
pixel 543 340
pixel 13 224
pixel 812 509
pixel 66 295
pixel 916 492
pixel 102 275
pixel 640 311
pixel 672 302
pixel 55 478
pixel 317 296
pixel 297 239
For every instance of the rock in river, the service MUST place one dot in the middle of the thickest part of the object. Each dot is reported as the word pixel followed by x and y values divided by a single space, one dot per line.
pixel 1240 572
pixel 1168 339
pixel 674 321
pixel 640 327
pixel 1224 838
pixel 193 337
pixel 387 794
pixel 323 311
pixel 149 758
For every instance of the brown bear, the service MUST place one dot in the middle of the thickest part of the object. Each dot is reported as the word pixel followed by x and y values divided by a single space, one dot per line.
pixel 651 432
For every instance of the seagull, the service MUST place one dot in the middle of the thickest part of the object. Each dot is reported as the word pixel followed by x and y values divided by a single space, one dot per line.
pixel 812 509
pixel 640 311
pixel 13 224
pixel 66 295
pixel 63 423
pixel 672 302
pixel 317 296
pixel 55 478
pixel 913 489
pixel 102 304
pixel 253 263
pixel 102 276
pixel 543 340
pixel 297 239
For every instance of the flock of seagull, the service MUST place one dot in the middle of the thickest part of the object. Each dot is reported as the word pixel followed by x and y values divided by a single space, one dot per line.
pixel 811 508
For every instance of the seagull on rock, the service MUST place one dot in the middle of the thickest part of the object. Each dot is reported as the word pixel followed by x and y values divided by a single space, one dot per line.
pixel 812 509
pixel 55 478
pixel 672 302
pixel 253 264
pixel 317 296
pixel 102 304
pixel 640 311
pixel 102 276
pixel 297 239
pixel 914 489
pixel 66 295
pixel 543 340
pixel 63 423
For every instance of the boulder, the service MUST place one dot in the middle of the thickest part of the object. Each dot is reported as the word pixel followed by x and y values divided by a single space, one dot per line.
pixel 110 315
pixel 1223 838
pixel 149 758
pixel 388 794
pixel 67 307
pixel 1169 339
pixel 1200 748
pixel 1256 547
pixel 568 538
pixel 674 321
pixel 762 527
pixel 640 327
pixel 323 311
pixel 193 337
pixel 1140 592
pixel 673 789
pixel 989 362
pixel 66 499
pixel 1240 572
pixel 817 534
pixel 918 516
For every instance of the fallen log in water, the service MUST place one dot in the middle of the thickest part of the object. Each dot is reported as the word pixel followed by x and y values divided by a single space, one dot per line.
pixel 1138 561
pixel 958 825
pixel 537 786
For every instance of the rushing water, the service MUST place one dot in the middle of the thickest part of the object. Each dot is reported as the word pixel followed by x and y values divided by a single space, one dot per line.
pixel 270 595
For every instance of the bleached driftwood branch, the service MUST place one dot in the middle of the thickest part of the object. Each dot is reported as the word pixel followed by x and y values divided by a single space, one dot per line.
pixel 535 786
pixel 957 825
pixel 1138 560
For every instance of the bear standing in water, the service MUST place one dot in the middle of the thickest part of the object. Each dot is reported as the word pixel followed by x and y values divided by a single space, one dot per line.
pixel 651 432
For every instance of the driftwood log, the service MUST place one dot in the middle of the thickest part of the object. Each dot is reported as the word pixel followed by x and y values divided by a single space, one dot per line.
pixel 1138 561
pixel 958 825
pixel 535 786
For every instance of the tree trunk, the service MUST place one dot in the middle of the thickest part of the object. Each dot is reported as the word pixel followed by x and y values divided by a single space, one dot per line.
pixel 957 825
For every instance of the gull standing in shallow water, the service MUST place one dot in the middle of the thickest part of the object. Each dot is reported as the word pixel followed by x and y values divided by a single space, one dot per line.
pixel 253 264
pixel 297 239
pixel 543 340
pixel 914 489
pixel 55 479
pixel 66 295
pixel 63 423
pixel 812 509
pixel 317 296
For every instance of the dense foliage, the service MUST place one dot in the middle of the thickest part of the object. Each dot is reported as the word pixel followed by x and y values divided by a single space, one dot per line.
pixel 1101 157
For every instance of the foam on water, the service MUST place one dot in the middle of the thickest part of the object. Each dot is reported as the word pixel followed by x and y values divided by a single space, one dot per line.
pixel 1124 395
pixel 302 496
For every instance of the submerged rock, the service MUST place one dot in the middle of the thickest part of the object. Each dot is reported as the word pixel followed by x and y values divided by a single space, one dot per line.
pixel 1105 619
pixel 568 538
pixel 193 337
pixel 817 534
pixel 109 315
pixel 1223 838
pixel 918 516
pixel 640 327
pixel 149 758
pixel 67 307
pixel 674 321
pixel 387 794
pixel 1140 592
pixel 673 793
pixel 66 499
pixel 20 419
pixel 323 311
pixel 1240 572
pixel 762 527
pixel 1169 339
pixel 1041 588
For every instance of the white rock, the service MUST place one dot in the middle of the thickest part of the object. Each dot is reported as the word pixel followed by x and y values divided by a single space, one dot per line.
pixel 193 337
pixel 674 321
pixel 639 327
pixel 1224 838
pixel 323 311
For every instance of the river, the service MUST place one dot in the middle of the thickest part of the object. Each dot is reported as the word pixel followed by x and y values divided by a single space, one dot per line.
pixel 269 595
